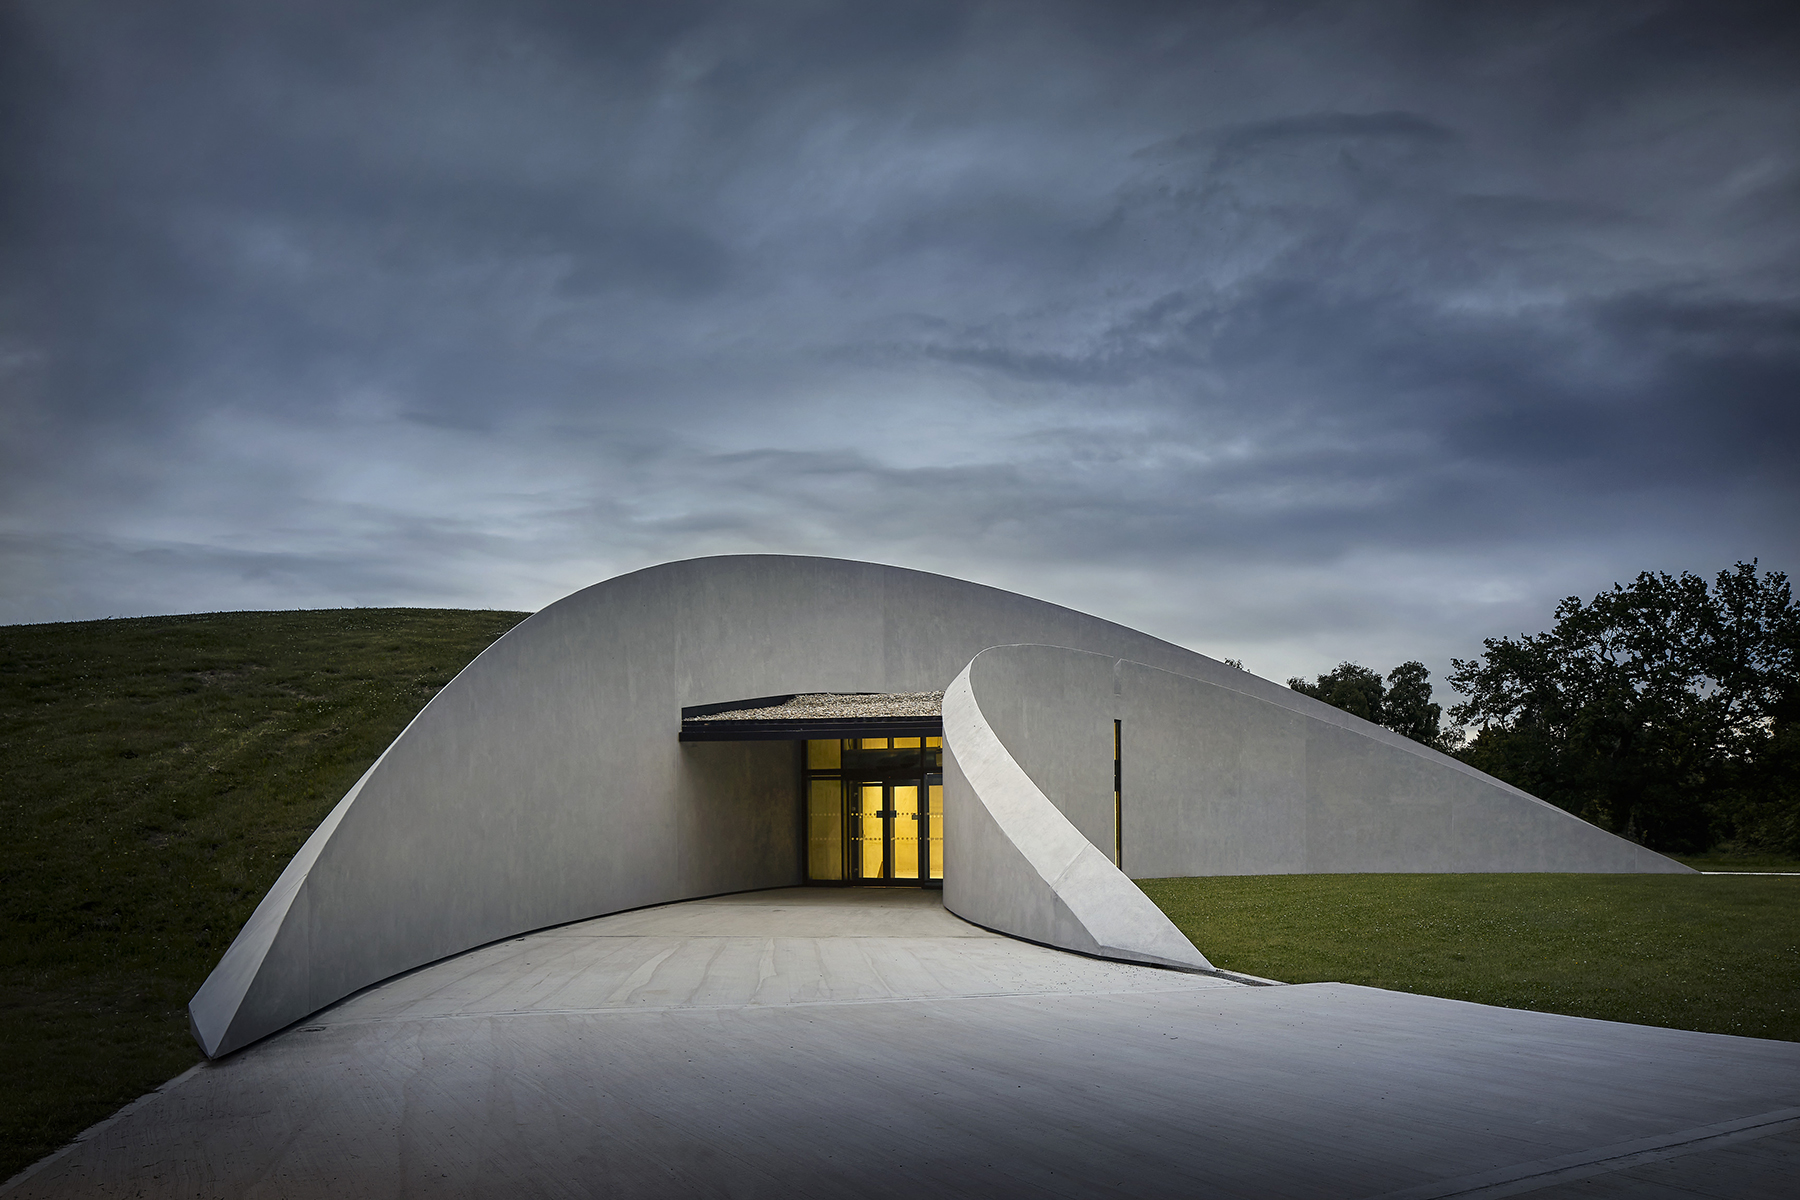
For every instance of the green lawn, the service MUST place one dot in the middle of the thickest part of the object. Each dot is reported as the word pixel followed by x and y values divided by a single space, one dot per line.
pixel 155 776
pixel 1684 951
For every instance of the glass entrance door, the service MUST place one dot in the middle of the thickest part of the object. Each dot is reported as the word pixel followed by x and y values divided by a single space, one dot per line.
pixel 875 811
pixel 868 831
pixel 887 831
pixel 904 829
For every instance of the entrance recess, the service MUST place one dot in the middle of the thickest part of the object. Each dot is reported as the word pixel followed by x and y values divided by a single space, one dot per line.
pixel 875 811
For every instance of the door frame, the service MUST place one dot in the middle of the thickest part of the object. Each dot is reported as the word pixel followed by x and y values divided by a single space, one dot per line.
pixel 849 783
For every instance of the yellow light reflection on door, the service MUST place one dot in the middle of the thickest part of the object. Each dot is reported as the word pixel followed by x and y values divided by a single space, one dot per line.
pixel 906 831
pixel 825 829
pixel 869 831
pixel 934 821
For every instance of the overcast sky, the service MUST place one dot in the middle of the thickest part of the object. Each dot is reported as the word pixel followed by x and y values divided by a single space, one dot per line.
pixel 1290 332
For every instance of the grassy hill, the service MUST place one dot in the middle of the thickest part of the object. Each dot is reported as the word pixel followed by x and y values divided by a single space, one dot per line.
pixel 155 776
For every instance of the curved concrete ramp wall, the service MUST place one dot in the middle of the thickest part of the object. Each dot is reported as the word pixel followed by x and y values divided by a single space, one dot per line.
pixel 545 783
pixel 1014 862
pixel 1219 781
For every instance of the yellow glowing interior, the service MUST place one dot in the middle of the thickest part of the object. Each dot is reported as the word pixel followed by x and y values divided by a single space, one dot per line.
pixel 906 831
pixel 825 829
pixel 868 824
pixel 825 754
pixel 934 830
pixel 859 827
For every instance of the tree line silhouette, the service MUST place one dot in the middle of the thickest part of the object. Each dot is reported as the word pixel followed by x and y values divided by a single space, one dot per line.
pixel 1666 710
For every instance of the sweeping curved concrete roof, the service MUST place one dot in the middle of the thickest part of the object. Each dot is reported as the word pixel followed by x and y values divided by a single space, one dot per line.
pixel 546 784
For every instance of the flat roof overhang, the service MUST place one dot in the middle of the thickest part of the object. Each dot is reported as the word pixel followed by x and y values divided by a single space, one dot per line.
pixel 799 717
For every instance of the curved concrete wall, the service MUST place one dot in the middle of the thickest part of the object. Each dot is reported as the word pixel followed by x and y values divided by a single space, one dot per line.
pixel 1219 781
pixel 1015 862
pixel 545 783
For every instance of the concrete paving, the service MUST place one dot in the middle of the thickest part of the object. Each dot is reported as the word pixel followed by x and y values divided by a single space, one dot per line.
pixel 833 1043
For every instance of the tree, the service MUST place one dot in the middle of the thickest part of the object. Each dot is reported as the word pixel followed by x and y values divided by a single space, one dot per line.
pixel 1753 642
pixel 1403 704
pixel 1353 688
pixel 1408 709
pixel 1663 710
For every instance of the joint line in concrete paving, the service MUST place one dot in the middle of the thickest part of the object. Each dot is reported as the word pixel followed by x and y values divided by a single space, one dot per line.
pixel 1603 1160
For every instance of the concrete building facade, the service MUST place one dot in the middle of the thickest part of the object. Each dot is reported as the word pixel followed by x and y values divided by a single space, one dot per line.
pixel 729 724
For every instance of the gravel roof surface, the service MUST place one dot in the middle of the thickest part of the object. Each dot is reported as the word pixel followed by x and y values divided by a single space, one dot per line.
pixel 827 705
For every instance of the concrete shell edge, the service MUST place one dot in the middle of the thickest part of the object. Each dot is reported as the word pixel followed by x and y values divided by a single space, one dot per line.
pixel 545 783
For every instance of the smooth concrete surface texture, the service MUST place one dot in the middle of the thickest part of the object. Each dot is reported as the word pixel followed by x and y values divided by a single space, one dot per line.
pixel 1219 781
pixel 1014 861
pixel 866 1043
pixel 546 784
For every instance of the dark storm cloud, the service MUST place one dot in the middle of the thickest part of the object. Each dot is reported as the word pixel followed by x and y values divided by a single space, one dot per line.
pixel 1293 331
